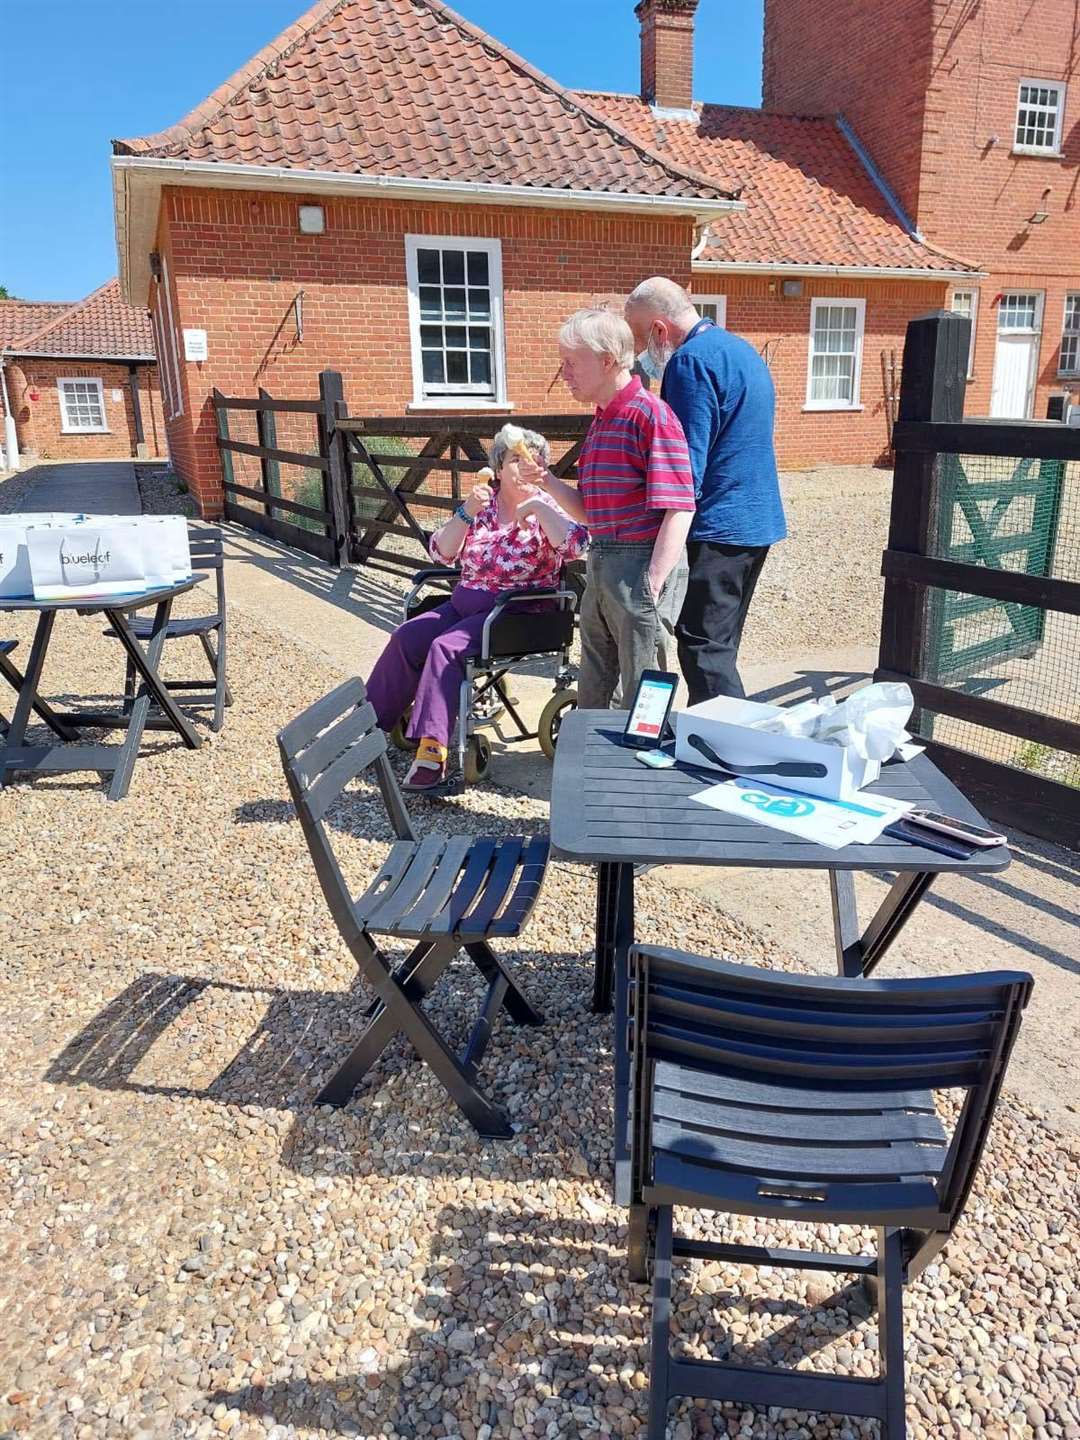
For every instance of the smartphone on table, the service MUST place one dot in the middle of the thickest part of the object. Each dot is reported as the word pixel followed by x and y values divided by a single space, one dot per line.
pixel 648 717
pixel 976 835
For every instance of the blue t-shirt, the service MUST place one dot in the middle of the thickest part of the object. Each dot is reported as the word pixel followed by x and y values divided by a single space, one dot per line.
pixel 721 390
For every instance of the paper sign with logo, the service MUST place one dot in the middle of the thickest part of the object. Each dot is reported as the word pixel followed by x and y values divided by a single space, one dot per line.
pixel 85 562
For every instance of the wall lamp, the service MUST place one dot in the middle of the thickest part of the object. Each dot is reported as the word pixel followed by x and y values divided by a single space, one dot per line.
pixel 1040 216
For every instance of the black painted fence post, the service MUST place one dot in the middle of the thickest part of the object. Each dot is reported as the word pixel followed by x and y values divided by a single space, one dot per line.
pixel 332 442
pixel 933 385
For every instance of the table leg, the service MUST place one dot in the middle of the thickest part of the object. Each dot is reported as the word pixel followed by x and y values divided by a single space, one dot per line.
pixel 859 952
pixel 615 941
pixel 146 663
pixel 28 689
pixel 11 673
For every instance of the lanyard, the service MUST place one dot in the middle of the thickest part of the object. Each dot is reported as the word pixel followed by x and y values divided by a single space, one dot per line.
pixel 704 324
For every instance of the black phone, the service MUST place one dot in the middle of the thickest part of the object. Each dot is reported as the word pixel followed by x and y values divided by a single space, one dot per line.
pixel 648 716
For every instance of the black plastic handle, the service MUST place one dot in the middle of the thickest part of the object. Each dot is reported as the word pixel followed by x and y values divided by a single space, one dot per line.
pixel 804 769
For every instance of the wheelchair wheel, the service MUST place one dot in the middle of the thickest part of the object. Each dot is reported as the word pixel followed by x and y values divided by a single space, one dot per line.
pixel 399 739
pixel 477 758
pixel 551 718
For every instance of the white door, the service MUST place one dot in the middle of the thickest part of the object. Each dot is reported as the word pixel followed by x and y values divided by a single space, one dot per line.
pixel 1016 355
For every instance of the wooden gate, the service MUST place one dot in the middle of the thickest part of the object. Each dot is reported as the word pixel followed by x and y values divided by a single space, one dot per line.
pixel 406 475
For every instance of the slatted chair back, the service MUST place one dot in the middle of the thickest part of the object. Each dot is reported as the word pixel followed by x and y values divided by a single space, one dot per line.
pixel 895 1036
pixel 208 554
pixel 324 748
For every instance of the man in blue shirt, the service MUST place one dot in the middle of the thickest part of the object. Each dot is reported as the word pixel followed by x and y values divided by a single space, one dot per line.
pixel 721 390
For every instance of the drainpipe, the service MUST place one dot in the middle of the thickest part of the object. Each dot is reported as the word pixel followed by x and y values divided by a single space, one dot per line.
pixel 11 440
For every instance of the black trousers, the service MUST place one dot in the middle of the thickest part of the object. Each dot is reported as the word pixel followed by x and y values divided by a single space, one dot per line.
pixel 718 595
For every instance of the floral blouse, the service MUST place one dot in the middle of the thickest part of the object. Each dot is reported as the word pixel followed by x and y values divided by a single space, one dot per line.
pixel 509 557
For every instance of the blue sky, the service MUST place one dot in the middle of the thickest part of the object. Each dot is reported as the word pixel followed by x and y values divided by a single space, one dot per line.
pixel 89 70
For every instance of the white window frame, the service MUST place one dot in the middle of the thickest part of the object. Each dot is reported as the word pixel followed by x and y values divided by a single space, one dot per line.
pixel 66 427
pixel 720 301
pixel 974 317
pixel 169 325
pixel 860 326
pixel 1073 370
pixel 1033 329
pixel 463 398
pixel 164 367
pixel 1054 148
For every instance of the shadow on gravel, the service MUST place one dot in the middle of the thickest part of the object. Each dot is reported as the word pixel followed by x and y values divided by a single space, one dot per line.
pixel 526 1306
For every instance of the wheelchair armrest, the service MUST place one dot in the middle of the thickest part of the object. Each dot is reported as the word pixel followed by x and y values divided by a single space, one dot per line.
pixel 567 601
pixel 428 577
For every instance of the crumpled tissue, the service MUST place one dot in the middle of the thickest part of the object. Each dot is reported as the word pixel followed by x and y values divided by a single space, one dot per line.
pixel 871 722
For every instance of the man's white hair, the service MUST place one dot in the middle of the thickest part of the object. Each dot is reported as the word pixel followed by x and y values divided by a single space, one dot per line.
pixel 603 332
pixel 664 298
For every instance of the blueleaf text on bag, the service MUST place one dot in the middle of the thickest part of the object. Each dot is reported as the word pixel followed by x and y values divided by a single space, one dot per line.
pixel 92 557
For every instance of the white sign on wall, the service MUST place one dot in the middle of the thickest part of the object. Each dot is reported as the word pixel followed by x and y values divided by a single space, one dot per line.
pixel 195 345
pixel 116 397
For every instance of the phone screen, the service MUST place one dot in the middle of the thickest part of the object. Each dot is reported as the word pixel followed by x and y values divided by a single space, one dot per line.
pixel 959 825
pixel 650 709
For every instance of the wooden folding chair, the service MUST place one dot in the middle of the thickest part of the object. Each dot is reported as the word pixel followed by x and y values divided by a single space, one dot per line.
pixel 206 554
pixel 805 1098
pixel 443 894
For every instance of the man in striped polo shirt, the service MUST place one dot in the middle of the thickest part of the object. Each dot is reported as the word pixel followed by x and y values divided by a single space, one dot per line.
pixel 636 494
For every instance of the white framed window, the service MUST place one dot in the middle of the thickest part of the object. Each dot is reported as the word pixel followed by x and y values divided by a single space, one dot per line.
pixel 1069 364
pixel 712 307
pixel 455 320
pixel 836 343
pixel 966 302
pixel 1040 112
pixel 82 407
pixel 1020 312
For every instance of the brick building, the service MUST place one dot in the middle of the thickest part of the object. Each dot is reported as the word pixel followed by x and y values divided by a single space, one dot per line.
pixel 81 378
pixel 387 190
pixel 978 134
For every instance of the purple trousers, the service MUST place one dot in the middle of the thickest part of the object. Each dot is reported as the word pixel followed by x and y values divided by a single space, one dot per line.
pixel 424 663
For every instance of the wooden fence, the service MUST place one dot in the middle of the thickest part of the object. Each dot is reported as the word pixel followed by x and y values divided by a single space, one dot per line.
pixel 982 590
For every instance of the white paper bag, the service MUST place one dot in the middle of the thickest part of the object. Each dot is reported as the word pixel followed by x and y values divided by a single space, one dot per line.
pixel 15 581
pixel 85 562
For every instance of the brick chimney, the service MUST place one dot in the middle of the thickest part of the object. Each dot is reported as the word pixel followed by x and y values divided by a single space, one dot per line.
pixel 667 52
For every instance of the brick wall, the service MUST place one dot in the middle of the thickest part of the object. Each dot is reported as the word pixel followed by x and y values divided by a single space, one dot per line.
pixel 780 328
pixel 236 261
pixel 978 195
pixel 870 62
pixel 39 422
pixel 667 52
pixel 953 71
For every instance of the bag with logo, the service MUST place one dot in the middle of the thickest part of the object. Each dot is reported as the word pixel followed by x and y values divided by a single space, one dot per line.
pixel 15 582
pixel 87 561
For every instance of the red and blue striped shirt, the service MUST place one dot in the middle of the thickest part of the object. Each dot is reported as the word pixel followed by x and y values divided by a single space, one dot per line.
pixel 634 465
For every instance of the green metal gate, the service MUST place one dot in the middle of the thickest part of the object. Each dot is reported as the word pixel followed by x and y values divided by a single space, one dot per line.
pixel 1003 514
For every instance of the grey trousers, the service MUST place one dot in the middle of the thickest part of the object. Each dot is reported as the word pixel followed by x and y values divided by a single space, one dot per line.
pixel 623 629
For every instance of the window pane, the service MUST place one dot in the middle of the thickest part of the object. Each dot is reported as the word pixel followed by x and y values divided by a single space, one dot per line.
pixel 457 367
pixel 1070 354
pixel 479 304
pixel 455 337
pixel 480 367
pixel 427 264
pixel 453 267
pixel 434 372
pixel 454 301
pixel 478 267
pixel 479 337
pixel 430 302
pixel 431 337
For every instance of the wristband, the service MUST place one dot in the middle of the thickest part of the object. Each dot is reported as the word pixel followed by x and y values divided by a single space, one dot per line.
pixel 462 514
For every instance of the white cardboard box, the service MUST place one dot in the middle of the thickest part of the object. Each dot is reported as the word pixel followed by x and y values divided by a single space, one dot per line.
pixel 723 726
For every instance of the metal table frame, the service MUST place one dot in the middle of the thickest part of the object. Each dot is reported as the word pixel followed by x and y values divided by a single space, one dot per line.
pixel 70 754
pixel 618 785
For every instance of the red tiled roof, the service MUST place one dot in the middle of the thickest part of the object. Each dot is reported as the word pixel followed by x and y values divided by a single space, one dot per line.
pixel 809 198
pixel 102 326
pixel 408 88
pixel 20 317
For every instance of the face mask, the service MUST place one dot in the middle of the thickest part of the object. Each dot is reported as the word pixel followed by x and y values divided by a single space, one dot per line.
pixel 654 358
pixel 649 366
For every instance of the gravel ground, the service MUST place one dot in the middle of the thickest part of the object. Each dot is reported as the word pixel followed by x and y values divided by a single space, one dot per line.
pixel 190 1247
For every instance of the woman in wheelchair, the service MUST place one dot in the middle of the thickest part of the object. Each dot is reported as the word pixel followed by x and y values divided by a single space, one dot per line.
pixel 507 535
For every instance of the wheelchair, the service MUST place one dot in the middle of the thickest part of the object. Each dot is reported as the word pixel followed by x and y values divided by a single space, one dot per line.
pixel 513 637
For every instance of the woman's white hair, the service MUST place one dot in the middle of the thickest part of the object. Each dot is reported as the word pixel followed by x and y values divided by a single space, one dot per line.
pixel 603 332
pixel 505 440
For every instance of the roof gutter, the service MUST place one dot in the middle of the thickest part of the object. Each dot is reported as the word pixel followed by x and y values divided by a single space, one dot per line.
pixel 860 272
pixel 106 359
pixel 155 172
